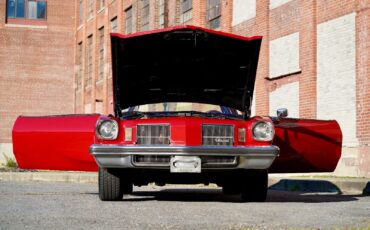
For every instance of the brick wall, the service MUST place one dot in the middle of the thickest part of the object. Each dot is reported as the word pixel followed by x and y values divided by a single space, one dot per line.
pixel 333 77
pixel 317 28
pixel 36 63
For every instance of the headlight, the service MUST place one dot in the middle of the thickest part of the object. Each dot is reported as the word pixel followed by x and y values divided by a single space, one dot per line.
pixel 263 131
pixel 107 129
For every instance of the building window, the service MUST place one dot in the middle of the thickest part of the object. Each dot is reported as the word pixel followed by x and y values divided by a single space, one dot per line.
pixel 101 4
pixel 101 54
pixel 79 67
pixel 214 13
pixel 186 11
pixel 26 9
pixel 91 9
pixel 144 15
pixel 113 25
pixel 81 18
pixel 89 62
pixel 128 20
pixel 161 13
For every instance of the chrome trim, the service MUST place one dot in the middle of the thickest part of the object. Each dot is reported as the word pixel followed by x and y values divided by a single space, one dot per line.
pixel 206 150
pixel 121 156
pixel 206 161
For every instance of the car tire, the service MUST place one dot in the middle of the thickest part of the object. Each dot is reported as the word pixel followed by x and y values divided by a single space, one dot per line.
pixel 255 188
pixel 110 185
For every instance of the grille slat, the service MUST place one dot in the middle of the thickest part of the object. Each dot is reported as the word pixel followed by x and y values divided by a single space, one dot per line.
pixel 218 134
pixel 153 134
pixel 165 160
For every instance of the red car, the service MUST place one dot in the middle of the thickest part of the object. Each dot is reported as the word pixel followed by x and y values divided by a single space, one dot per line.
pixel 182 105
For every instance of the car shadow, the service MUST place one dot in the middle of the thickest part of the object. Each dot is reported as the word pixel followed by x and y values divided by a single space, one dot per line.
pixel 216 195
pixel 284 191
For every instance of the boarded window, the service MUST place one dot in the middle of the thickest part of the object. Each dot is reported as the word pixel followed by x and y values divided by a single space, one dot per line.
pixel 214 13
pixel 101 4
pixel 89 62
pixel 161 13
pixel 91 8
pixel 144 15
pixel 81 18
pixel 101 54
pixel 186 11
pixel 79 66
pixel 113 25
pixel 128 20
pixel 284 55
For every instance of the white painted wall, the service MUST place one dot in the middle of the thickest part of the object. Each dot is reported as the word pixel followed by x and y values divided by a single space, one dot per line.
pixel 253 107
pixel 287 96
pixel 284 55
pixel 243 10
pixel 336 74
pixel 6 152
pixel 88 108
pixel 276 3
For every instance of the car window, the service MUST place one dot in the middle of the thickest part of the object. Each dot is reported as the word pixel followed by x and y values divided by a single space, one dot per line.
pixel 183 106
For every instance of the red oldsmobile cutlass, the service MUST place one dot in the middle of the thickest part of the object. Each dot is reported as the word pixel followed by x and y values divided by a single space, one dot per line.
pixel 182 105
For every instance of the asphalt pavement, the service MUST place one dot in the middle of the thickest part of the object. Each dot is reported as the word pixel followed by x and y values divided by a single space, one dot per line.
pixel 59 205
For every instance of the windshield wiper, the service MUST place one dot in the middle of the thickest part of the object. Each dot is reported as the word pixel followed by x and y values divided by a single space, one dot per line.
pixel 132 115
pixel 222 115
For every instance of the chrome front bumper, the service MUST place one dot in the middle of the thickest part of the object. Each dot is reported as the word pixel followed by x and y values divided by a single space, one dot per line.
pixel 121 156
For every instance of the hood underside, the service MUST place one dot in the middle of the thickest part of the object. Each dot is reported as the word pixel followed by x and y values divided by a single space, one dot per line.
pixel 184 64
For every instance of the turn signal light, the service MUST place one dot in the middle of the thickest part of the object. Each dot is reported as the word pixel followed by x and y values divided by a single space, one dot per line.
pixel 241 135
pixel 128 134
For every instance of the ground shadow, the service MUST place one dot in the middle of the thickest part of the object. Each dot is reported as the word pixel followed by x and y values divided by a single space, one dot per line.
pixel 216 195
pixel 301 185
pixel 286 190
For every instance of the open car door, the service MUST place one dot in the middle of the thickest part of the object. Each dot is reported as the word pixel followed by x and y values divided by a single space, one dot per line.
pixel 306 145
pixel 55 142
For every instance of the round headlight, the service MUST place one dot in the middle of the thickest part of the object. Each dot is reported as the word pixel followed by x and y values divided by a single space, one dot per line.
pixel 263 131
pixel 107 129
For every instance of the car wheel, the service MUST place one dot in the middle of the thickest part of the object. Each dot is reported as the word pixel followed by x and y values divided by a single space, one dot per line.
pixel 110 185
pixel 255 188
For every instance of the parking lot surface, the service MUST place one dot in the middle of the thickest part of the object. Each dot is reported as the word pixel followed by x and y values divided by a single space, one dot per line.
pixel 40 205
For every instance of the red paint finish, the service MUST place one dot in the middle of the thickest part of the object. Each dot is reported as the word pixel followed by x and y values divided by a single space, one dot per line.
pixel 173 28
pixel 55 142
pixel 62 142
pixel 188 130
pixel 307 146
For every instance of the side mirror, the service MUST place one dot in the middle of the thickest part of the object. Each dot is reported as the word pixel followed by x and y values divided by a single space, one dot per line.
pixel 281 113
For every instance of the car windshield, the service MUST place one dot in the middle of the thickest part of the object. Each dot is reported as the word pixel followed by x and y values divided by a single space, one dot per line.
pixel 181 109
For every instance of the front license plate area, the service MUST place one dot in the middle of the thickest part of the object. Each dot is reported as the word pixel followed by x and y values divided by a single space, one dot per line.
pixel 186 164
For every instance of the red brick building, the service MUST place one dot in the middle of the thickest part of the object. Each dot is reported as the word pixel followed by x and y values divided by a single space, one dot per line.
pixel 36 62
pixel 314 58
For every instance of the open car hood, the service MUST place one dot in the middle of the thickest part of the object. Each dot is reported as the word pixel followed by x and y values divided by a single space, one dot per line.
pixel 184 64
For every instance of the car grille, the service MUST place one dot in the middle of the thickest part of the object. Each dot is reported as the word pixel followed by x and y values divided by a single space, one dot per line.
pixel 152 160
pixel 158 160
pixel 153 135
pixel 218 135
